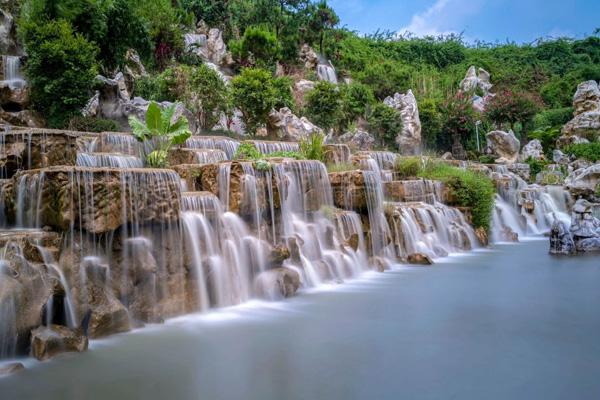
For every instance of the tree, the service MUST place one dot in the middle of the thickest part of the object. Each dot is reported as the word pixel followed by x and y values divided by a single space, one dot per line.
pixel 385 122
pixel 512 107
pixel 324 105
pixel 60 69
pixel 256 92
pixel 459 121
pixel 258 46
pixel 356 100
pixel 160 132
pixel 208 97
pixel 323 19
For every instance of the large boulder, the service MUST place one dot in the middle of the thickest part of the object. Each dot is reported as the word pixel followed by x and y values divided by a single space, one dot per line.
pixel 584 181
pixel 586 121
pixel 309 57
pixel 476 79
pixel 209 46
pixel 533 150
pixel 409 139
pixel 504 145
pixel 289 127
pixel 46 342
pixel 359 140
pixel 561 241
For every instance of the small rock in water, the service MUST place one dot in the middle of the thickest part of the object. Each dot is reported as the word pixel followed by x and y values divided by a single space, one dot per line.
pixel 419 259
pixel 561 241
pixel 11 368
pixel 277 283
pixel 46 342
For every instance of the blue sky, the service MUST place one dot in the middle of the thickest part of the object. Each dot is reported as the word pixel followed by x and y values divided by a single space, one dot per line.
pixel 488 20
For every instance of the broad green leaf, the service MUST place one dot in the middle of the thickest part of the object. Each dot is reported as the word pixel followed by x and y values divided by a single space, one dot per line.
pixel 139 130
pixel 167 116
pixel 179 137
pixel 153 118
pixel 181 123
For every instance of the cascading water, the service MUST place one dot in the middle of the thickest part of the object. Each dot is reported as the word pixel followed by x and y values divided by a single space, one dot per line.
pixel 271 147
pixel 12 72
pixel 326 72
pixel 108 160
pixel 229 146
pixel 210 156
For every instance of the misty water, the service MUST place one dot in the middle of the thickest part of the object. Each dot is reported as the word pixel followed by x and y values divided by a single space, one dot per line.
pixel 507 323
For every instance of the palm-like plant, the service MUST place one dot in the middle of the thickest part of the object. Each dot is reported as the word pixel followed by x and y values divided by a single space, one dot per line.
pixel 159 133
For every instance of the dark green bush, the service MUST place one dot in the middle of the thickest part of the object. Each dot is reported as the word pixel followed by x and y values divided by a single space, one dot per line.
pixel 257 47
pixel 408 167
pixel 553 117
pixel 91 124
pixel 60 69
pixel 324 105
pixel 586 151
pixel 385 123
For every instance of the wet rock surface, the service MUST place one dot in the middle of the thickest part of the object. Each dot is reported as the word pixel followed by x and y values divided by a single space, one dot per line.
pixel 47 342
pixel 504 145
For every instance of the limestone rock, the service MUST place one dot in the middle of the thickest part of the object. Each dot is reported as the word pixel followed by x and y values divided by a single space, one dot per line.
pixel 586 121
pixel 583 224
pixel 348 189
pixel 561 241
pixel 309 57
pixel 12 368
pixel 46 342
pixel 290 127
pixel 208 46
pixel 559 157
pixel 277 283
pixel 505 145
pixel 584 181
pixel 133 65
pixel 533 150
pixel 358 141
pixel 409 139
pixel 419 259
pixel 8 33
pixel 476 79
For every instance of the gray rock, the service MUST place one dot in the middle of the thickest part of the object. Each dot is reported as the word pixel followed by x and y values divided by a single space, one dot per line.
pixel 277 283
pixel 359 140
pixel 533 150
pixel 12 368
pixel 588 245
pixel 559 157
pixel 409 139
pixel 476 79
pixel 583 181
pixel 586 121
pixel 505 145
pixel 46 342
pixel 209 47
pixel 290 127
pixel 561 241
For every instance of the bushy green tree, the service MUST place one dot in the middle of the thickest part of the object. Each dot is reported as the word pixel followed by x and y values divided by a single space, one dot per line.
pixel 509 107
pixel 208 97
pixel 385 123
pixel 60 69
pixel 431 125
pixel 324 105
pixel 256 92
pixel 356 101
pixel 258 46
pixel 459 120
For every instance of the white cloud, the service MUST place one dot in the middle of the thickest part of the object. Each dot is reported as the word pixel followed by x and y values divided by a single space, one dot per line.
pixel 443 17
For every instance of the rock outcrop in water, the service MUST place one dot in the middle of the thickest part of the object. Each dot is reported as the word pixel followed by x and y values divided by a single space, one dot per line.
pixel 583 235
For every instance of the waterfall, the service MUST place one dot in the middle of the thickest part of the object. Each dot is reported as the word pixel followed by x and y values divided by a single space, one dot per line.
pixel 229 146
pixel 108 160
pixel 266 147
pixel 326 72
pixel 12 72
pixel 210 156
pixel 524 209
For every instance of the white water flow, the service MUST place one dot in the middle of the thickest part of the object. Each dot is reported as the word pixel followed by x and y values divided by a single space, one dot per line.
pixel 266 147
pixel 108 160
pixel 526 209
pixel 326 72
pixel 12 72
pixel 8 308
pixel 434 230
pixel 229 146
pixel 69 309
pixel 210 156
pixel 29 200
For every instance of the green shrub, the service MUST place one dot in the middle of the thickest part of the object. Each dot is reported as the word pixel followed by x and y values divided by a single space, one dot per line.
pixel 470 189
pixel 324 105
pixel 342 167
pixel 586 151
pixel 311 148
pixel 547 136
pixel 485 159
pixel 385 123
pixel 160 132
pixel 91 124
pixel 60 69
pixel 256 92
pixel 535 166
pixel 356 101
pixel 247 151
pixel 286 154
pixel 207 96
pixel 408 167
pixel 554 117
pixel 257 47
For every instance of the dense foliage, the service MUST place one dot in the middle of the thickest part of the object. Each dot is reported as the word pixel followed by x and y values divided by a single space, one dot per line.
pixel 586 151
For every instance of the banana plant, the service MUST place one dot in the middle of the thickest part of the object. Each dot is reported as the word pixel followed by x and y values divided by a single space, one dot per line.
pixel 159 133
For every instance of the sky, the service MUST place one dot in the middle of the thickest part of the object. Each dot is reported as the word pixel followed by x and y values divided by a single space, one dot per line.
pixel 488 20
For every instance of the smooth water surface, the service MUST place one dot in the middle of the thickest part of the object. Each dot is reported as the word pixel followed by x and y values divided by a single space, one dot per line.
pixel 510 323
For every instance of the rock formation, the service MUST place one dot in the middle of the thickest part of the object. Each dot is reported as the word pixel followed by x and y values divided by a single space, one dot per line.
pixel 289 127
pixel 584 181
pixel 359 140
pixel 586 121
pixel 409 139
pixel 209 46
pixel 477 83
pixel 504 145
pixel 533 150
